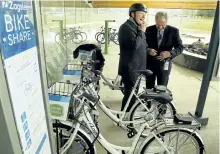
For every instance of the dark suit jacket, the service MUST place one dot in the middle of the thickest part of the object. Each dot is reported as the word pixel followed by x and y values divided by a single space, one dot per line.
pixel 132 43
pixel 171 42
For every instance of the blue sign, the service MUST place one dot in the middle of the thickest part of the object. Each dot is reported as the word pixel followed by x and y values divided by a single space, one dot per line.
pixel 25 126
pixel 23 117
pixel 19 52
pixel 17 32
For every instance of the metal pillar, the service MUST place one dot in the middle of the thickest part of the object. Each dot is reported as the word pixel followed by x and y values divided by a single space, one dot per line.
pixel 106 34
pixel 212 53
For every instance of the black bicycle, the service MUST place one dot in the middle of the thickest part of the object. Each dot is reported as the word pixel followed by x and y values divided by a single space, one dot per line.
pixel 72 35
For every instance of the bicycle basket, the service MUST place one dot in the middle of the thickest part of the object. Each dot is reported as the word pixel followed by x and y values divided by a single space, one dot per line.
pixel 59 99
pixel 72 73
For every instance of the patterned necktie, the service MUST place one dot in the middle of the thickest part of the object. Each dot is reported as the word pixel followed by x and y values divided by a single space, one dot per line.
pixel 159 37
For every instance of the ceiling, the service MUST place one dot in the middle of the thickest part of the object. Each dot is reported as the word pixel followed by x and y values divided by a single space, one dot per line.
pixel 174 4
pixel 171 4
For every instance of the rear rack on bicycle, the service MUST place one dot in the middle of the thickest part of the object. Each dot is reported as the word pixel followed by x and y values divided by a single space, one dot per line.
pixel 182 120
pixel 59 99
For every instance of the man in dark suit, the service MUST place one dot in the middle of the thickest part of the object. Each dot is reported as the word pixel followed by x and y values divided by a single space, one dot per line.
pixel 164 44
pixel 133 48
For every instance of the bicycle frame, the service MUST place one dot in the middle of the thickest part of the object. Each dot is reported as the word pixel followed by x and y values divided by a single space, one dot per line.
pixel 110 112
pixel 113 149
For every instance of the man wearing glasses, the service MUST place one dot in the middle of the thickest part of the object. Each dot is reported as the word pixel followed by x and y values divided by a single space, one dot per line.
pixel 164 44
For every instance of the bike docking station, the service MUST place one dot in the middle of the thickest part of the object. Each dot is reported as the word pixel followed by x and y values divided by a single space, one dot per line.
pixel 107 34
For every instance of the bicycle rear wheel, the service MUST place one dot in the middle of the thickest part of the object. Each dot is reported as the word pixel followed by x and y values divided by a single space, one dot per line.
pixel 177 140
pixel 139 112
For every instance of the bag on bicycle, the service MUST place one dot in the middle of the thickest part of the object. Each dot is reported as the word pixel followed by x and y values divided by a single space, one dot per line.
pixel 96 55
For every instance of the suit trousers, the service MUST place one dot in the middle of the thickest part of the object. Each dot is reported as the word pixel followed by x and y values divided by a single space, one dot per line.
pixel 159 73
pixel 129 83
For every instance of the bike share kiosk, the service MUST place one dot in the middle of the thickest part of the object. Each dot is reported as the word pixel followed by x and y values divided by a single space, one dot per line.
pixel 24 127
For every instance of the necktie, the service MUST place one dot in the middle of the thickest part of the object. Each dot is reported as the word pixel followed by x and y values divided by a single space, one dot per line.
pixel 159 38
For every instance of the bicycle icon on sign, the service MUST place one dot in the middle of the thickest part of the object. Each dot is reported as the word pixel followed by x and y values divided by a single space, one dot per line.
pixel 28 88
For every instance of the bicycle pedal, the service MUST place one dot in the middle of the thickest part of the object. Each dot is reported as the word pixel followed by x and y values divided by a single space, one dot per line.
pixel 131 134
pixel 129 127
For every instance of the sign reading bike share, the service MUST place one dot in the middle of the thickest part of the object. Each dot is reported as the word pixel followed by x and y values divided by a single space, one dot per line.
pixel 19 52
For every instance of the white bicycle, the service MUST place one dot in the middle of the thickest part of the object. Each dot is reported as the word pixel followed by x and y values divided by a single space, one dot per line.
pixel 156 101
pixel 79 135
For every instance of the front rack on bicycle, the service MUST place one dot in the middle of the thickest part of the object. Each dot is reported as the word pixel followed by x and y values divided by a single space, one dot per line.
pixel 59 99
pixel 72 73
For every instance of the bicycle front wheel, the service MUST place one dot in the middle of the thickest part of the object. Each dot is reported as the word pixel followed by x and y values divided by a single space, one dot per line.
pixel 80 145
pixel 177 141
pixel 84 36
pixel 101 38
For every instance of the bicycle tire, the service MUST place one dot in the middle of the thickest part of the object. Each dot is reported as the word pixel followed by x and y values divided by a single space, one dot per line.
pixel 81 135
pixel 115 40
pixel 97 35
pixel 101 38
pixel 84 36
pixel 78 37
pixel 133 111
pixel 57 38
pixel 200 150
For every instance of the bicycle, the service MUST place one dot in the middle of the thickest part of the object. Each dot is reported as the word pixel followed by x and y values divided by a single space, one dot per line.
pixel 119 117
pixel 78 31
pixel 72 131
pixel 71 35
pixel 113 36
pixel 102 30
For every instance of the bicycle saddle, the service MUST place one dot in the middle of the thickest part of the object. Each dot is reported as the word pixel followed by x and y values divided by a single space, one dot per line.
pixel 145 72
pixel 161 97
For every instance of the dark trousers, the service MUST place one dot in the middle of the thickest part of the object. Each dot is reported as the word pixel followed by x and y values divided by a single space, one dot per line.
pixel 159 73
pixel 129 83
